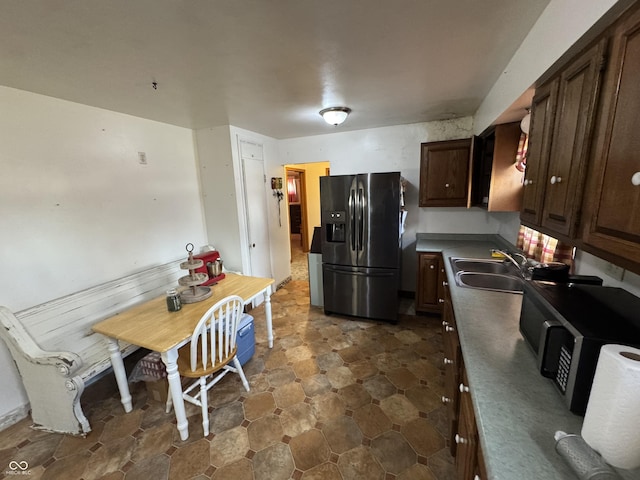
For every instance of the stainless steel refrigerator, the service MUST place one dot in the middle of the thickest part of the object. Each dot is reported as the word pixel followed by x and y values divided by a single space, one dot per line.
pixel 361 242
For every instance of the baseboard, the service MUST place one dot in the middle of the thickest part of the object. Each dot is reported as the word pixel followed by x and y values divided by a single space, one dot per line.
pixel 283 283
pixel 14 416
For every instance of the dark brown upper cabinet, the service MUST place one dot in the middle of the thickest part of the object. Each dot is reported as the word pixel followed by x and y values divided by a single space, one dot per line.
pixel 562 119
pixel 611 221
pixel 543 109
pixel 496 183
pixel 444 173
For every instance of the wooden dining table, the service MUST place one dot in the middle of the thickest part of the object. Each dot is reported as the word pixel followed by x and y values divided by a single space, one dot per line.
pixel 150 325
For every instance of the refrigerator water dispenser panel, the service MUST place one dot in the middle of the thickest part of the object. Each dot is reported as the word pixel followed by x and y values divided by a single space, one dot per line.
pixel 336 228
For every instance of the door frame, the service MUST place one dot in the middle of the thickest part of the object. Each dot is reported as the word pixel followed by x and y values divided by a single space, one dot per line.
pixel 303 206
pixel 245 237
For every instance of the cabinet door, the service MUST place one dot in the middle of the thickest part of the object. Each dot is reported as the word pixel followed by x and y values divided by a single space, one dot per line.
pixel 543 110
pixel 467 436
pixel 429 295
pixel 481 469
pixel 444 173
pixel 505 192
pixel 452 360
pixel 612 222
pixel 572 134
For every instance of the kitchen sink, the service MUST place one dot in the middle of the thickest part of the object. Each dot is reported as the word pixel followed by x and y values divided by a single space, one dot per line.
pixel 487 274
pixel 483 265
pixel 489 281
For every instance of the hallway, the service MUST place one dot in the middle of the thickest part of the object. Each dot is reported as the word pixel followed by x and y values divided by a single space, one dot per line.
pixel 299 265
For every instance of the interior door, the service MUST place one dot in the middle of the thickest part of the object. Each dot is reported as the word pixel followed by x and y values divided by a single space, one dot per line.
pixel 256 209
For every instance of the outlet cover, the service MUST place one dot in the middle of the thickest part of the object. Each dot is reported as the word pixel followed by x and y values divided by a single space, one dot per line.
pixel 142 158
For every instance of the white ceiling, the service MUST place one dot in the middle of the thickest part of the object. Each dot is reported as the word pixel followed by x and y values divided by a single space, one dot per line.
pixel 268 66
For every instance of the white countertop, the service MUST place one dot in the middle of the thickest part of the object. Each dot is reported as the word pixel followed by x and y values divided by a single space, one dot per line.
pixel 517 409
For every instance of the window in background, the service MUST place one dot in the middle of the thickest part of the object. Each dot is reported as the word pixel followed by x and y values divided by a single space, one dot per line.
pixel 292 189
pixel 543 248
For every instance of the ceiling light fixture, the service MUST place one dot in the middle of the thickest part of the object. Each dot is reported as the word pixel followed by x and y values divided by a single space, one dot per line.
pixel 526 122
pixel 335 115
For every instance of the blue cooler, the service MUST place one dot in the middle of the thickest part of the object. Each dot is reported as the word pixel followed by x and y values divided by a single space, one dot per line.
pixel 246 339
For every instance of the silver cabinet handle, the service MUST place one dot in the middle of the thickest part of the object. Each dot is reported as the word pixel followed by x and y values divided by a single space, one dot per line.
pixel 555 180
pixel 449 329
pixel 463 388
pixel 447 361
pixel 635 179
pixel 445 400
pixel 441 300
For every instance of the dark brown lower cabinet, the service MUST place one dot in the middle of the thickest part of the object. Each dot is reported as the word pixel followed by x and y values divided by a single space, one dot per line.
pixel 430 284
pixel 452 359
pixel 463 432
pixel 481 469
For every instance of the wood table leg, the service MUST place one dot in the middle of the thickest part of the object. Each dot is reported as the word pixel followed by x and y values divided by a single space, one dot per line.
pixel 120 373
pixel 267 311
pixel 170 358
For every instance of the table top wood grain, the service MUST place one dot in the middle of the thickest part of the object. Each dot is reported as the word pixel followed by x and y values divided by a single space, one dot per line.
pixel 152 326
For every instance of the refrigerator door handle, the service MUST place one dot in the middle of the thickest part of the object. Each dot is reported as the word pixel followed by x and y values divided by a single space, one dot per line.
pixel 360 218
pixel 352 218
pixel 357 273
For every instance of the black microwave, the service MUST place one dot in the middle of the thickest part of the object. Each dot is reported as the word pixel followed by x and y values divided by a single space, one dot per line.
pixel 566 324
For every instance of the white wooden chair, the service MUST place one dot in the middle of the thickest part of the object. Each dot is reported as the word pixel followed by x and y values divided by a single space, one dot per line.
pixel 208 356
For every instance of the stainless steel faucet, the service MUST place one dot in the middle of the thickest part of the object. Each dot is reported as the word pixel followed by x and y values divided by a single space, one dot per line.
pixel 522 267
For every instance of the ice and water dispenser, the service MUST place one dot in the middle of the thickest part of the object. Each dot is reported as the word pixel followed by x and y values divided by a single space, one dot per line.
pixel 336 227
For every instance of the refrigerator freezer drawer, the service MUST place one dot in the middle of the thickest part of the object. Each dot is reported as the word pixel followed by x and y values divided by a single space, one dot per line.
pixel 361 292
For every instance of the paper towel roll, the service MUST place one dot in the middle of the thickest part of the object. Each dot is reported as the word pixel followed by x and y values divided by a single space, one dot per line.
pixel 612 420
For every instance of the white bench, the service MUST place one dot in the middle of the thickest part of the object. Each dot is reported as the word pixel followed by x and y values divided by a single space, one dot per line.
pixel 56 351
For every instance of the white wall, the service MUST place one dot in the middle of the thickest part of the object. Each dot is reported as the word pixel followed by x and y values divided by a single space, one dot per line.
pixel 219 195
pixel 77 209
pixel 587 264
pixel 396 149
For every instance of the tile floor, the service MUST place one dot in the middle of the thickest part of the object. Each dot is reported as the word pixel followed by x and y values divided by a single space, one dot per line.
pixel 335 398
pixel 299 266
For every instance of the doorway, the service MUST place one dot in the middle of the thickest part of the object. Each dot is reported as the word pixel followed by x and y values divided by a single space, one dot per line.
pixel 298 237
pixel 303 207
